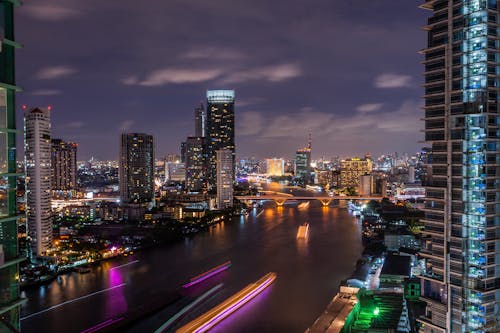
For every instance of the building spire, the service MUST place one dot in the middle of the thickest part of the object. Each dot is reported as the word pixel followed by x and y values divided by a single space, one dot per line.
pixel 309 144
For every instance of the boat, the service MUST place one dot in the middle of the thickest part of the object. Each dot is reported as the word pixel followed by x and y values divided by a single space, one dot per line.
pixel 203 276
pixel 215 315
pixel 303 231
pixel 303 205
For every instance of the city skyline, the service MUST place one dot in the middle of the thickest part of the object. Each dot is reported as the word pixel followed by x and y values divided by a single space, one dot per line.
pixel 300 79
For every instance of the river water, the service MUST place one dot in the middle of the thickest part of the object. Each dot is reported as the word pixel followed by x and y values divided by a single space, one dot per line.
pixel 309 273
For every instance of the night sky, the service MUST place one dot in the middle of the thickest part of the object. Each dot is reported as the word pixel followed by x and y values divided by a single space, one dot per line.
pixel 347 71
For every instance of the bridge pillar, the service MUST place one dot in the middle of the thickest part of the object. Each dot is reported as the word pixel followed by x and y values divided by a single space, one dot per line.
pixel 326 202
pixel 280 202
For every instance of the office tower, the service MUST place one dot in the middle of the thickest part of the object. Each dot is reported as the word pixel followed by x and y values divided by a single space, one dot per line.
pixel 200 121
pixel 63 161
pixel 9 255
pixel 461 280
pixel 225 170
pixel 352 169
pixel 220 129
pixel 303 166
pixel 136 168
pixel 275 167
pixel 37 164
pixel 195 163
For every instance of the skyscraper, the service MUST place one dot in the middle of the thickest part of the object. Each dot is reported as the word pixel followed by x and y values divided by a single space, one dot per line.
pixel 136 170
pixel 220 129
pixel 37 162
pixel 196 154
pixel 225 170
pixel 303 165
pixel 200 119
pixel 63 161
pixel 9 254
pixel 461 280
pixel 352 169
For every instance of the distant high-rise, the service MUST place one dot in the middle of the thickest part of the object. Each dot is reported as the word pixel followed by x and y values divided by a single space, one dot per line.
pixel 200 119
pixel 9 254
pixel 220 129
pixel 352 169
pixel 196 154
pixel 275 167
pixel 136 170
pixel 225 170
pixel 461 277
pixel 303 165
pixel 63 165
pixel 37 162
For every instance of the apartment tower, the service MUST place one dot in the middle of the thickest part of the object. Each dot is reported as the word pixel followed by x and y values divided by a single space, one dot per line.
pixel 461 277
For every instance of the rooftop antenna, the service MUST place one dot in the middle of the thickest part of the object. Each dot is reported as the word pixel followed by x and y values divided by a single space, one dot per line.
pixel 309 145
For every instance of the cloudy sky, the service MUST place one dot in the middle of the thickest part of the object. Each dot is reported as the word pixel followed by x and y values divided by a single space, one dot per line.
pixel 346 71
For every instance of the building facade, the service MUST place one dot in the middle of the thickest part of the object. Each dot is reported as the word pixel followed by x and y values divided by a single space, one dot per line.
pixel 10 299
pixel 461 280
pixel 220 129
pixel 136 170
pixel 37 163
pixel 352 169
pixel 63 159
pixel 225 170
pixel 275 167
pixel 196 167
pixel 200 121
pixel 303 166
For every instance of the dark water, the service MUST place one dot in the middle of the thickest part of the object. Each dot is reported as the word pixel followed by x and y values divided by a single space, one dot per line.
pixel 308 275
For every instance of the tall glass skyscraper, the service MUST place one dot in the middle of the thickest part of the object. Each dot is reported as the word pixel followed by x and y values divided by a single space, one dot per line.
pixel 9 259
pixel 220 129
pixel 461 277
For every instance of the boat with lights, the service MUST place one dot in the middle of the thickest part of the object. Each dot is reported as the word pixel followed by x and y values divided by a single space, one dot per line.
pixel 211 318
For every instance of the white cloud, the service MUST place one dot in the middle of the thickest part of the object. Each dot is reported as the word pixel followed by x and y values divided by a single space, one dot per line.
pixel 177 76
pixel 274 73
pixel 52 12
pixel 46 92
pixel 371 107
pixel 393 81
pixel 130 80
pixel 387 124
pixel 55 72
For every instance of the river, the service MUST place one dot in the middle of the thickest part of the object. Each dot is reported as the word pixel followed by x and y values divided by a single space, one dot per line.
pixel 309 273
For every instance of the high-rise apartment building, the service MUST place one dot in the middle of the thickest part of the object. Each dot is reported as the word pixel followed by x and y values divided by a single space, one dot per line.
pixel 220 129
pixel 303 170
pixel 225 177
pixel 196 154
pixel 200 121
pixel 136 170
pixel 352 169
pixel 37 162
pixel 63 159
pixel 9 254
pixel 461 280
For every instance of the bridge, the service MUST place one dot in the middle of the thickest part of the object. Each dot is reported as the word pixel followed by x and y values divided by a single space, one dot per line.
pixel 280 199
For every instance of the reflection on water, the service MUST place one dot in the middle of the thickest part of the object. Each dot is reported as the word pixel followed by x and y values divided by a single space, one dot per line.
pixel 309 272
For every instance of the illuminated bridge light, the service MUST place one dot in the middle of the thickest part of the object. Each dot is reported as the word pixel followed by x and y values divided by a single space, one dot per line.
pixel 208 274
pixel 211 318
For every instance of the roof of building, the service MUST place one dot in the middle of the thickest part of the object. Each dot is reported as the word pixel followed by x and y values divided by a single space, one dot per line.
pixel 378 311
pixel 396 265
